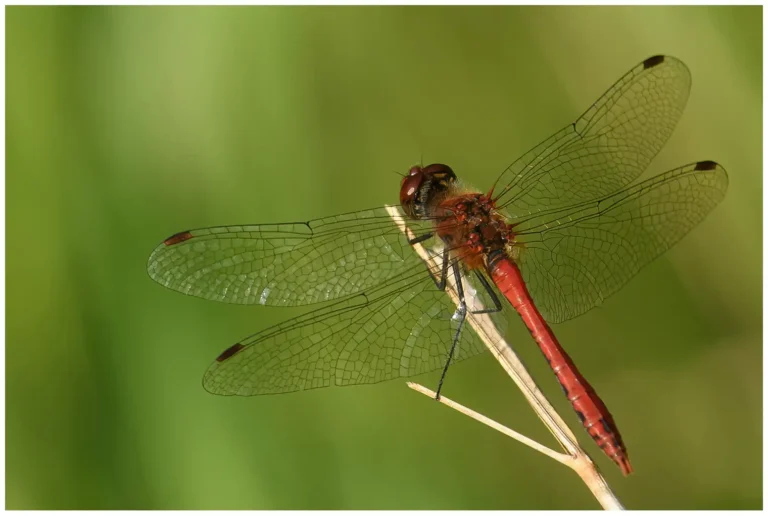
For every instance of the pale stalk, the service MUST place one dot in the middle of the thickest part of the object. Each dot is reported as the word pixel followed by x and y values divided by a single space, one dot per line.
pixel 575 458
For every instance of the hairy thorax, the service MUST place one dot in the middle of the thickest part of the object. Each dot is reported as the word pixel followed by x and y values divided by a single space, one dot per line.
pixel 472 228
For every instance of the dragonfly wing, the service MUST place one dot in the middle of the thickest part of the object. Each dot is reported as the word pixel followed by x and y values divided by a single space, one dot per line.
pixel 286 264
pixel 399 329
pixel 571 259
pixel 608 147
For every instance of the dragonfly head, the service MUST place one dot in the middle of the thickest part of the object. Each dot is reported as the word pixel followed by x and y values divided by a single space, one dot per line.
pixel 424 187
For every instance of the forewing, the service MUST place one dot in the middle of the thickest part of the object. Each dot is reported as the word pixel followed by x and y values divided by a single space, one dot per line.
pixel 572 259
pixel 400 329
pixel 286 264
pixel 608 147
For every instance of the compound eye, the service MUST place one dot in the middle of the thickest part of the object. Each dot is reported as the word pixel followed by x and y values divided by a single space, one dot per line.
pixel 409 190
pixel 439 172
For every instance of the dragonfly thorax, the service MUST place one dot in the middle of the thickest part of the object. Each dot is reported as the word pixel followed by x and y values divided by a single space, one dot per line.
pixel 473 228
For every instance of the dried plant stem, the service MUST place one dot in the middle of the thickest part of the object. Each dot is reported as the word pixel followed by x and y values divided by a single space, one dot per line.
pixel 559 457
pixel 575 458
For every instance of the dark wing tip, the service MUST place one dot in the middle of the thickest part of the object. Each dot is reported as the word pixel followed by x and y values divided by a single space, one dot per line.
pixel 653 61
pixel 178 238
pixel 706 165
pixel 230 352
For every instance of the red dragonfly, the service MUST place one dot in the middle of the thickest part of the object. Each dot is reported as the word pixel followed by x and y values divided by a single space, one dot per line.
pixel 562 229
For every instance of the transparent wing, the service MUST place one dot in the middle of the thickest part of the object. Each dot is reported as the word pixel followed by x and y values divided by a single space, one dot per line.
pixel 402 328
pixel 286 264
pixel 573 258
pixel 607 148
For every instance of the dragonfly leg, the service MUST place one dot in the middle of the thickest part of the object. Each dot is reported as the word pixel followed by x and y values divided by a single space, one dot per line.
pixel 459 316
pixel 491 293
pixel 420 239
pixel 440 283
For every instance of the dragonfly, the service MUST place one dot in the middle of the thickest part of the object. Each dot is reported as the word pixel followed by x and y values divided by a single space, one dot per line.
pixel 563 227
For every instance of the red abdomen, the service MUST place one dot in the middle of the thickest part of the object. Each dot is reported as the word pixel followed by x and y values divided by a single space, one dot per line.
pixel 589 407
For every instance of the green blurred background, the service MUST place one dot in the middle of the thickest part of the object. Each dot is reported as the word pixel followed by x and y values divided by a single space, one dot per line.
pixel 125 125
